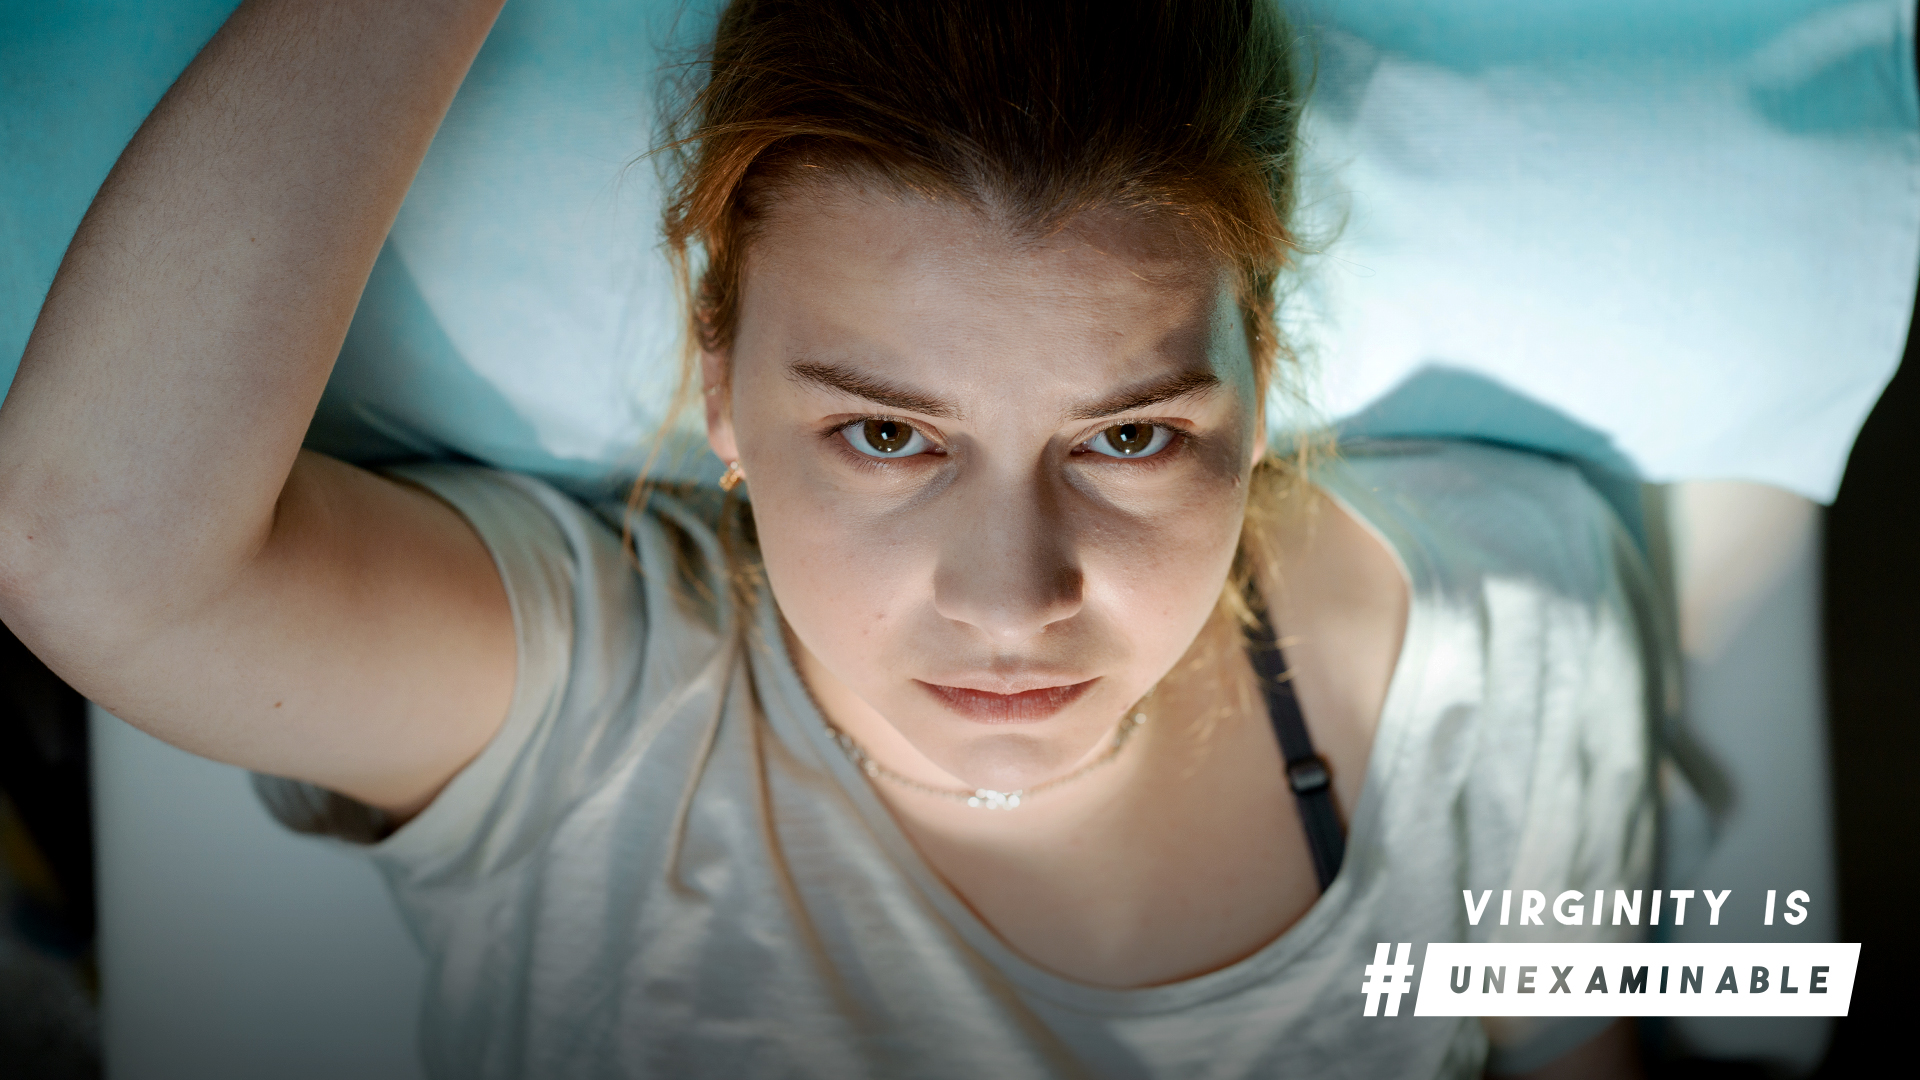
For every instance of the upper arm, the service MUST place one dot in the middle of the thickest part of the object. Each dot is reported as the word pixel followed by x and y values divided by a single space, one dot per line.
pixel 163 545
pixel 367 645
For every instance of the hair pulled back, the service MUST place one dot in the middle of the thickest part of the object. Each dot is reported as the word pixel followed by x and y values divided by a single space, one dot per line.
pixel 1031 111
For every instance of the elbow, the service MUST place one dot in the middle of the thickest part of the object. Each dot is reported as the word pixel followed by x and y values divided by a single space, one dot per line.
pixel 90 583
pixel 73 568
pixel 22 571
pixel 35 586
pixel 68 615
pixel 57 595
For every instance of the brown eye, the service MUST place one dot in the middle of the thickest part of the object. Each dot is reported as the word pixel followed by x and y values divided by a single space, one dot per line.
pixel 1131 440
pixel 885 438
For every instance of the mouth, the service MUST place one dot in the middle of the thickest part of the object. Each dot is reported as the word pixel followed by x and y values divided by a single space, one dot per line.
pixel 1024 707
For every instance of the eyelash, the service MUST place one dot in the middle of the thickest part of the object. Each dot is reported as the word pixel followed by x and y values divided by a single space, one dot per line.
pixel 1181 438
pixel 836 436
pixel 1177 443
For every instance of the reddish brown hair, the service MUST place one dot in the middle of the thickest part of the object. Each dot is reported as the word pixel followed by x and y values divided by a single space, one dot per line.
pixel 1033 111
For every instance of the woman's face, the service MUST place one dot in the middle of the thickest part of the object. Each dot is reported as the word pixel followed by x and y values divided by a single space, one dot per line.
pixel 998 483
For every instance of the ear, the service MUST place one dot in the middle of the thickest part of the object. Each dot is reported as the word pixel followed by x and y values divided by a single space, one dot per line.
pixel 716 393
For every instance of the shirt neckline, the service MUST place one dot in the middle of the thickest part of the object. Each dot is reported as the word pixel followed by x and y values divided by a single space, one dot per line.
pixel 798 721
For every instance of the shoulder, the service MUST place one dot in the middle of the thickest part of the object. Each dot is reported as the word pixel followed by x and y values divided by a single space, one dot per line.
pixel 1536 663
pixel 1518 563
pixel 1468 516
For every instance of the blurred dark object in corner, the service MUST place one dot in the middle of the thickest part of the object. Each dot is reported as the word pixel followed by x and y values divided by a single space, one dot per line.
pixel 1873 698
pixel 43 773
pixel 49 1019
pixel 1873 653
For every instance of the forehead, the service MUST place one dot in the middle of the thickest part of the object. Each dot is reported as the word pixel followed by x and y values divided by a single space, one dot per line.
pixel 942 291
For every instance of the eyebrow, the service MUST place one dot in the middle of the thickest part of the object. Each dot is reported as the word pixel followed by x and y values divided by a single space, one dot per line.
pixel 854 384
pixel 1166 388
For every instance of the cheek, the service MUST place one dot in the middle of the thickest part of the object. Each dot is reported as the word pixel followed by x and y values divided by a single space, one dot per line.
pixel 1157 577
pixel 845 583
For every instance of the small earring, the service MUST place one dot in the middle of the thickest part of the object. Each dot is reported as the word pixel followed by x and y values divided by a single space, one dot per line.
pixel 732 477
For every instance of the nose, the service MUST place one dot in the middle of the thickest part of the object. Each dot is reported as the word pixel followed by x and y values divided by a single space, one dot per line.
pixel 1007 565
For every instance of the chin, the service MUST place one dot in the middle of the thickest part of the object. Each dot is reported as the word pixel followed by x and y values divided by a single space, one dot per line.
pixel 1009 757
pixel 1007 762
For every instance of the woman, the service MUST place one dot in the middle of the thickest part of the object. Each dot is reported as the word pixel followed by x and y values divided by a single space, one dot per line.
pixel 960 744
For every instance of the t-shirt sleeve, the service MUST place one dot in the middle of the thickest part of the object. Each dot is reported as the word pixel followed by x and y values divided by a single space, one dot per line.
pixel 579 633
pixel 1544 675
pixel 1590 822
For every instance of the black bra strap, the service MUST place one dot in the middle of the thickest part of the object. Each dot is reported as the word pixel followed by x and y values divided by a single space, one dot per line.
pixel 1306 770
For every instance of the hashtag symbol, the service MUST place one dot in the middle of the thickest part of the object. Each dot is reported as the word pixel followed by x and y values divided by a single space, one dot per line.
pixel 1385 982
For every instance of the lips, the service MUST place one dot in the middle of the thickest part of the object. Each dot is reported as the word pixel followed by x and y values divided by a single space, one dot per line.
pixel 1023 707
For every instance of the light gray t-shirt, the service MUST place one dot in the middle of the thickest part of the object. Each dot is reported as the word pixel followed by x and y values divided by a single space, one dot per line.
pixel 663 866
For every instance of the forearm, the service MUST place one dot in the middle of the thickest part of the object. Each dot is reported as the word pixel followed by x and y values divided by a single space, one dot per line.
pixel 186 339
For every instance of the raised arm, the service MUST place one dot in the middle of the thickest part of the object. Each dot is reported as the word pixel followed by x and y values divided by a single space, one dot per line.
pixel 164 543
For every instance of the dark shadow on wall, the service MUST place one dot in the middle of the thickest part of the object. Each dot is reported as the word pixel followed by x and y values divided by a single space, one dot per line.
pixel 400 390
pixel 1873 686
pixel 1872 617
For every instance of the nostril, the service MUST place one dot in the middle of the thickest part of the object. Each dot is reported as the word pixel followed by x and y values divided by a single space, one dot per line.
pixel 1068 588
pixel 1008 602
pixel 1009 569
